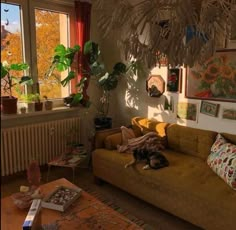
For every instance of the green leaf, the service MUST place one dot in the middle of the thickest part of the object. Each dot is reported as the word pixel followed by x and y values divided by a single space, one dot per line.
pixel 61 67
pixel 4 71
pixel 60 50
pixel 77 98
pixel 19 66
pixel 70 76
pixel 26 80
pixel 88 46
pixel 119 68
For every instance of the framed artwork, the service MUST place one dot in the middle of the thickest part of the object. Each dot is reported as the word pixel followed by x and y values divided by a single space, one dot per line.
pixel 229 114
pixel 174 80
pixel 187 111
pixel 215 79
pixel 210 109
pixel 155 85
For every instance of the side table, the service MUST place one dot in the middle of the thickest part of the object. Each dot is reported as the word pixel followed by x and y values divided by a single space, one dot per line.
pixel 68 160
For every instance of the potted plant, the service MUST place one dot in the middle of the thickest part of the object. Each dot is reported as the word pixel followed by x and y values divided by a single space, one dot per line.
pixel 38 106
pixel 107 81
pixel 8 81
pixel 48 104
pixel 28 99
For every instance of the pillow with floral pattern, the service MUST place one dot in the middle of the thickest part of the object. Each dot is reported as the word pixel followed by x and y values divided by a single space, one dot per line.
pixel 222 160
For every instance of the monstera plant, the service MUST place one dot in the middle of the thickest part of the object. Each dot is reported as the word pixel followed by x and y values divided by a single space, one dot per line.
pixel 63 60
pixel 107 81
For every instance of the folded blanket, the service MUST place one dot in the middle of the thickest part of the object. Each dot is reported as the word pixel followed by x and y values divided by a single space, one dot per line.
pixel 149 141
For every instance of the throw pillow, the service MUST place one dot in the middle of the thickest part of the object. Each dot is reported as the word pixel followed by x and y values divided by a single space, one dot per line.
pixel 112 141
pixel 222 160
pixel 220 140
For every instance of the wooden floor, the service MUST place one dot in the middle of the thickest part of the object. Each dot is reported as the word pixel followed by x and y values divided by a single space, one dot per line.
pixel 154 217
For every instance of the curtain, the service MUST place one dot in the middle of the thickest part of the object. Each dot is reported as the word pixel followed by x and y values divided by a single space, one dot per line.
pixel 83 20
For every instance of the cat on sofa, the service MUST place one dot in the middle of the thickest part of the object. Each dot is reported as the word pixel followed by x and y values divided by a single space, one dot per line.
pixel 154 159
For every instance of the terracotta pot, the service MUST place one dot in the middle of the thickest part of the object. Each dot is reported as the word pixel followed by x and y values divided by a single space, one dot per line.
pixel 38 106
pixel 9 105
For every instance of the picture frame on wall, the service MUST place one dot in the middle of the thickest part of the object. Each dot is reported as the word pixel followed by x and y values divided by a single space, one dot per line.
pixel 229 114
pixel 187 111
pixel 215 79
pixel 155 85
pixel 209 108
pixel 174 80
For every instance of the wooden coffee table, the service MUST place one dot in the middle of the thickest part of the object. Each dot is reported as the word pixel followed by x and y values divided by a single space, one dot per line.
pixel 87 213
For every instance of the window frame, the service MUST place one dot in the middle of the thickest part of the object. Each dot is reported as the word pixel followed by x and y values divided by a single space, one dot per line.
pixel 28 29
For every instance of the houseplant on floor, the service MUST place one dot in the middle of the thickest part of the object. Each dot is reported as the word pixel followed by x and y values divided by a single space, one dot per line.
pixel 107 81
pixel 8 81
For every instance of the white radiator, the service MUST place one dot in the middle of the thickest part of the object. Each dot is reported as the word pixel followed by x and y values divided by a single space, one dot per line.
pixel 41 141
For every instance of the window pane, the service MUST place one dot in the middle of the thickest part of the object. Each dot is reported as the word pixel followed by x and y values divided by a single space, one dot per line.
pixel 11 42
pixel 51 30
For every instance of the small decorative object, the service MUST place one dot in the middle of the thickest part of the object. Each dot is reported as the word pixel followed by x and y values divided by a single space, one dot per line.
pixel 48 104
pixel 174 80
pixel 24 198
pixel 215 79
pixel 23 110
pixel 61 198
pixel 155 85
pixel 33 174
pixel 33 218
pixel 210 109
pixel 187 111
pixel 229 114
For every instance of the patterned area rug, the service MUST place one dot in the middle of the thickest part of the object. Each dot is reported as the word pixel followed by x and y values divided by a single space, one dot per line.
pixel 118 209
pixel 92 212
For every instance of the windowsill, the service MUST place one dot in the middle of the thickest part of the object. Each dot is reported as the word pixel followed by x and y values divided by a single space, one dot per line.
pixel 63 112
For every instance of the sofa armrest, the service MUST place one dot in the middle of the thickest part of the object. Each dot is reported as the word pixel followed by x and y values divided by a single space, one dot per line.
pixel 101 135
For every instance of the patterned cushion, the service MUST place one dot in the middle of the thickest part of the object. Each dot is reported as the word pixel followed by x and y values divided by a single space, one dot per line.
pixel 222 160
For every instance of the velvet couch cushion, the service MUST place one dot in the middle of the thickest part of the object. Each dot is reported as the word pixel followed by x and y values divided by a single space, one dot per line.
pixel 143 125
pixel 111 141
pixel 196 142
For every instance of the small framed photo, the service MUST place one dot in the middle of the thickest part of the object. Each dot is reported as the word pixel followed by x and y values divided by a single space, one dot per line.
pixel 229 114
pixel 210 109
pixel 174 80
pixel 187 111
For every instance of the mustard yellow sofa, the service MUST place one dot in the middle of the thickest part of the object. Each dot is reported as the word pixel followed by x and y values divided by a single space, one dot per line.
pixel 187 188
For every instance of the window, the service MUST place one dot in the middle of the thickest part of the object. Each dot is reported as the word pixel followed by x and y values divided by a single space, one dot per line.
pixel 30 30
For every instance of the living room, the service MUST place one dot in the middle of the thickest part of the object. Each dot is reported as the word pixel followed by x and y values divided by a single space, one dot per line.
pixel 186 94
